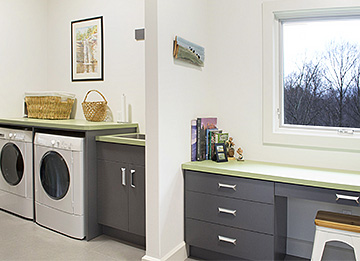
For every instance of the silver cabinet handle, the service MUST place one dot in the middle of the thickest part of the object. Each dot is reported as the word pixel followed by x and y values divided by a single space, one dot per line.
pixel 227 211
pixel 339 196
pixel 222 185
pixel 131 178
pixel 123 182
pixel 227 239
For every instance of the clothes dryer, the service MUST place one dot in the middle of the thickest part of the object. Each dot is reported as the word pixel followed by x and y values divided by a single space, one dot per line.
pixel 59 183
pixel 16 179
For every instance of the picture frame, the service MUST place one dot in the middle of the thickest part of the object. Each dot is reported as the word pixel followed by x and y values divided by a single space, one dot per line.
pixel 87 50
pixel 220 152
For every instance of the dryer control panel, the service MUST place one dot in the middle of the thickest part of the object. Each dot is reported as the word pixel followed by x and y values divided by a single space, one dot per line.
pixel 60 142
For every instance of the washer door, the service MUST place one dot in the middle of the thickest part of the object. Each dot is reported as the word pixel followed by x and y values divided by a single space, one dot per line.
pixel 12 164
pixel 54 175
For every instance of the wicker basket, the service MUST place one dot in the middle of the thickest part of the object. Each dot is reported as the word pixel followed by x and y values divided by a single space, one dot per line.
pixel 49 106
pixel 94 110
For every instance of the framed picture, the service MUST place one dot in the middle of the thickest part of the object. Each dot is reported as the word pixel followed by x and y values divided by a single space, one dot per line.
pixel 220 152
pixel 87 51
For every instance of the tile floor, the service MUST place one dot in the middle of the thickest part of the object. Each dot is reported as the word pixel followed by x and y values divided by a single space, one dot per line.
pixel 24 240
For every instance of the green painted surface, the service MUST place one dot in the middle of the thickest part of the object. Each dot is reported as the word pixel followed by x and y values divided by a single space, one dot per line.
pixel 122 139
pixel 316 177
pixel 67 124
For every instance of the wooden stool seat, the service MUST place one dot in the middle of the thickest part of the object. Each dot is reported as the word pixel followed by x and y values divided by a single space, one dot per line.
pixel 332 226
pixel 338 221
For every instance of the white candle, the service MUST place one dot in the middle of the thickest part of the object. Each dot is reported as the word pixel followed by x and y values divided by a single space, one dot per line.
pixel 123 108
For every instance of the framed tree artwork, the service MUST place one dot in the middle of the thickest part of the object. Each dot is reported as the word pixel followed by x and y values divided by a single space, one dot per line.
pixel 87 51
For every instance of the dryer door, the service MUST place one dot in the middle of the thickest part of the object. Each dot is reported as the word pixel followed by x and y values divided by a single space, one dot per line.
pixel 54 175
pixel 12 168
pixel 53 178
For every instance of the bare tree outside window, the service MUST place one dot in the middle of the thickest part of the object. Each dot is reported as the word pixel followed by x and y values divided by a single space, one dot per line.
pixel 321 84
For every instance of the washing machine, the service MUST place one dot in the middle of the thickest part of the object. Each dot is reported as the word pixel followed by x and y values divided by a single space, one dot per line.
pixel 16 179
pixel 59 183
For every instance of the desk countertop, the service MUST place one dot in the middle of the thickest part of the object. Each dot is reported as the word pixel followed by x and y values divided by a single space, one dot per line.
pixel 316 177
pixel 67 124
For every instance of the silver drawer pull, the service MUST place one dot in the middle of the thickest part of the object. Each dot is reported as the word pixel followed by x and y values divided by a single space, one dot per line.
pixel 227 211
pixel 221 185
pixel 123 182
pixel 227 239
pixel 339 196
pixel 132 178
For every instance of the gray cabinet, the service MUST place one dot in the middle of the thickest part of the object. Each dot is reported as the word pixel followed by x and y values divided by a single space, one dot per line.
pixel 233 217
pixel 121 187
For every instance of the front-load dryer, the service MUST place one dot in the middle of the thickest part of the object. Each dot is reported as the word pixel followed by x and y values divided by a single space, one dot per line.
pixel 59 183
pixel 16 179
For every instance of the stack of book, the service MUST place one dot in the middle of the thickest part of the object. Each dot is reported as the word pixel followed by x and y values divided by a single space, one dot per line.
pixel 204 135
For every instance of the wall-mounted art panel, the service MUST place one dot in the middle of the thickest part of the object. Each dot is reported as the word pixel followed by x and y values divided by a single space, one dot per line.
pixel 188 51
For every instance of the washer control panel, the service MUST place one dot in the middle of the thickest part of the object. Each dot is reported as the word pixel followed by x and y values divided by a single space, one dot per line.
pixel 16 135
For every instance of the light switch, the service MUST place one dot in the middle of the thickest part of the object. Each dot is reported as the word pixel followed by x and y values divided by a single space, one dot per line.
pixel 140 34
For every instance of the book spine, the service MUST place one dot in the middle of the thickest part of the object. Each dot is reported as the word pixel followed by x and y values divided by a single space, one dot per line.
pixel 198 145
pixel 207 144
pixel 193 140
pixel 201 140
pixel 211 145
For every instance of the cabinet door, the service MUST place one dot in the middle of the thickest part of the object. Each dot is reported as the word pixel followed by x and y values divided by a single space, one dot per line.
pixel 112 194
pixel 137 200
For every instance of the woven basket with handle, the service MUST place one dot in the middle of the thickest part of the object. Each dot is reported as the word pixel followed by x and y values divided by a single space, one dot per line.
pixel 94 110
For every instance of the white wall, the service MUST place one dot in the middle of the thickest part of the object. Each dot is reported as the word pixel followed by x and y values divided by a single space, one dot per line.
pixel 23 46
pixel 124 64
pixel 236 43
pixel 36 52
pixel 175 94
pixel 235 55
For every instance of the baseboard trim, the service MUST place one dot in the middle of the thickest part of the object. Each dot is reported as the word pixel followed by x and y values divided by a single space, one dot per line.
pixel 178 253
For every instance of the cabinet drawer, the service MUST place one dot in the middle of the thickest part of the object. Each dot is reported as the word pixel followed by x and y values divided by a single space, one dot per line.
pixel 317 194
pixel 230 241
pixel 121 153
pixel 242 188
pixel 238 213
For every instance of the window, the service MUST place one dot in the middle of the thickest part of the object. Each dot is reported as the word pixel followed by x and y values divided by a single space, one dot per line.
pixel 321 72
pixel 311 74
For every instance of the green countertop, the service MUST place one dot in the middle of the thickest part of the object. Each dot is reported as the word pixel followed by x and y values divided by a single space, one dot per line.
pixel 122 139
pixel 316 177
pixel 67 124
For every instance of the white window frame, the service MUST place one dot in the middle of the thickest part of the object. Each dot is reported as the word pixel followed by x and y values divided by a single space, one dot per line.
pixel 274 133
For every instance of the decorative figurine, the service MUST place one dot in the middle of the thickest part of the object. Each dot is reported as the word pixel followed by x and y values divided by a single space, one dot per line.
pixel 230 147
pixel 241 156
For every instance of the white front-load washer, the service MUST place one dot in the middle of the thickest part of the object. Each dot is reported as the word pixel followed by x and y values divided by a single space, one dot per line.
pixel 16 179
pixel 59 183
